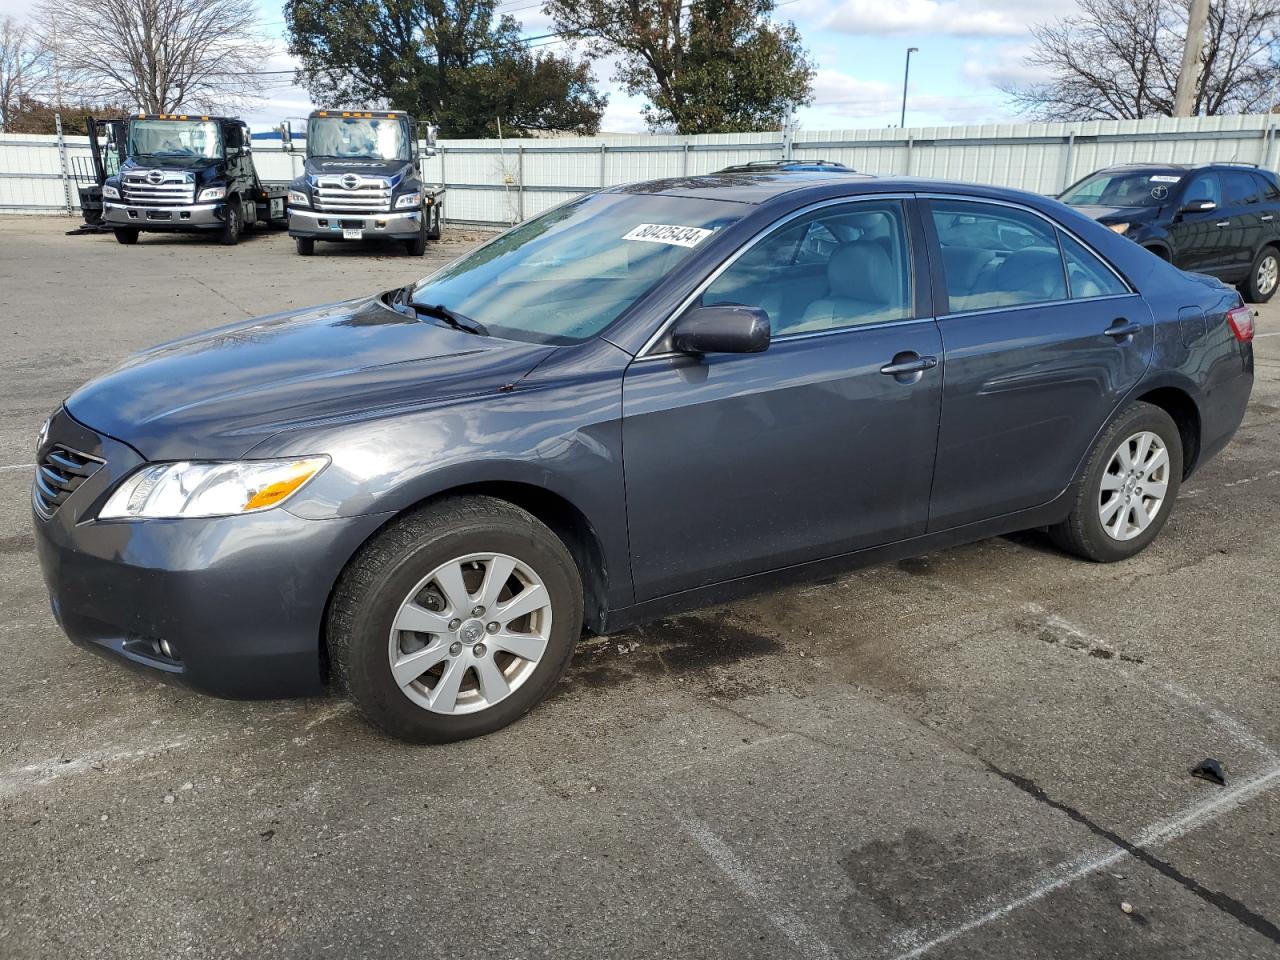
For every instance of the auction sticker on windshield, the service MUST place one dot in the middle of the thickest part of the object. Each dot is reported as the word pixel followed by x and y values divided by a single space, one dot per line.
pixel 668 233
pixel 1164 179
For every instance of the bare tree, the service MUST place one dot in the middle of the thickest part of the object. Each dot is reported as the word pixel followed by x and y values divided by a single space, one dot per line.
pixel 1119 60
pixel 160 55
pixel 23 68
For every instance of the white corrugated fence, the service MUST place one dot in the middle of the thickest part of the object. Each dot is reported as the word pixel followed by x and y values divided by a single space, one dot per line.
pixel 496 182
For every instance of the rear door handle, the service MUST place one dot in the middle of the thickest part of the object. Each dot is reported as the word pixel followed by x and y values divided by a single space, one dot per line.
pixel 905 364
pixel 1122 330
pixel 1224 223
pixel 1267 219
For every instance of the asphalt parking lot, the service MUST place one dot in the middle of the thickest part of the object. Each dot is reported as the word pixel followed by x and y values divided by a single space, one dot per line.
pixel 983 752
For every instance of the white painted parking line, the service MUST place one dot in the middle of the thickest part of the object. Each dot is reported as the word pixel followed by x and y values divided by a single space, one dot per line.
pixel 1064 874
pixel 1273 333
pixel 18 466
pixel 793 928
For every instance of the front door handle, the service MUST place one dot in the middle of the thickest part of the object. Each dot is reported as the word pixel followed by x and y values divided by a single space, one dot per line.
pixel 1122 330
pixel 1267 219
pixel 1223 223
pixel 909 365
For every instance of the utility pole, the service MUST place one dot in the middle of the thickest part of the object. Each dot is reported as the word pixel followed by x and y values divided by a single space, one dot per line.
pixel 906 75
pixel 1185 96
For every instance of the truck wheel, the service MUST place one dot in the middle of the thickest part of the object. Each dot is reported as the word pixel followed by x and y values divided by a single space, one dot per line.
pixel 126 235
pixel 231 226
pixel 434 232
pixel 418 245
pixel 306 246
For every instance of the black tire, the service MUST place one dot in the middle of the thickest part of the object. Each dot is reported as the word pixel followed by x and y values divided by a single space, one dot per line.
pixel 418 245
pixel 1264 276
pixel 1082 533
pixel 232 225
pixel 126 235
pixel 379 578
pixel 306 246
pixel 433 232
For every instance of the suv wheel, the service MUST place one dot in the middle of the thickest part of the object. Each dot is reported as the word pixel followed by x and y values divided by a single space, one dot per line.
pixel 455 620
pixel 1264 276
pixel 231 225
pixel 1126 491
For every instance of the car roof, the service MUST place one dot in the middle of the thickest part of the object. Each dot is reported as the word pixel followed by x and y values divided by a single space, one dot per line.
pixel 1140 167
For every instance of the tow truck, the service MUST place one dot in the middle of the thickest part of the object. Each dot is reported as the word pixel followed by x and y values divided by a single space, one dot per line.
pixel 190 173
pixel 106 154
pixel 361 180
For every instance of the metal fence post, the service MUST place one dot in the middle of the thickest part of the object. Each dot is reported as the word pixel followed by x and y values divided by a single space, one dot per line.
pixel 1071 149
pixel 444 182
pixel 684 171
pixel 603 168
pixel 62 161
pixel 520 183
pixel 911 142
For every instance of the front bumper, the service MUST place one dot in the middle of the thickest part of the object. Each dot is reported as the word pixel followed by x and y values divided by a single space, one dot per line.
pixel 238 602
pixel 400 225
pixel 196 216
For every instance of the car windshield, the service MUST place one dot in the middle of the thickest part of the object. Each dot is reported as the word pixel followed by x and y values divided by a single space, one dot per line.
pixel 368 138
pixel 1148 188
pixel 566 275
pixel 174 138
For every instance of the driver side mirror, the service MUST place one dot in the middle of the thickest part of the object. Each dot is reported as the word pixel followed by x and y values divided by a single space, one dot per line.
pixel 722 328
pixel 427 133
pixel 1198 206
pixel 286 137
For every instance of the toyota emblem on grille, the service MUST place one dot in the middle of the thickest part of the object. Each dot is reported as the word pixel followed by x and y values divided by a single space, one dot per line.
pixel 155 176
pixel 350 181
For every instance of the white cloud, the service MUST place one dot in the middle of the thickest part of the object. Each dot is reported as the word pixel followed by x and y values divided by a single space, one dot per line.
pixel 1002 65
pixel 974 18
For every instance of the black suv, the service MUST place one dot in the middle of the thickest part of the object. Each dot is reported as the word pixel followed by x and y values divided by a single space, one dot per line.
pixel 1217 218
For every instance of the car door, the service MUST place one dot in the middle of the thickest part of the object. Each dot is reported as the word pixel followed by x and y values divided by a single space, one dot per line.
pixel 1199 238
pixel 1242 209
pixel 741 463
pixel 1038 354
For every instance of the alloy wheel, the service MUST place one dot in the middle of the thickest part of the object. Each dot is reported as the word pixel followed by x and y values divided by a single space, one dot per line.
pixel 470 633
pixel 1134 486
pixel 1268 274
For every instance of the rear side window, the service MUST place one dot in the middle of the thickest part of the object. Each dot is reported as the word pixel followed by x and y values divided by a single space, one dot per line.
pixel 1269 191
pixel 1087 276
pixel 995 256
pixel 1240 188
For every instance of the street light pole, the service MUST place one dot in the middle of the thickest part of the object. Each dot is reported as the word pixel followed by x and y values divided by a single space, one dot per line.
pixel 906 75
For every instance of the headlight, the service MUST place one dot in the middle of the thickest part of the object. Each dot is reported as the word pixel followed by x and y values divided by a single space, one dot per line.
pixel 299 199
pixel 409 200
pixel 1120 228
pixel 212 193
pixel 192 489
pixel 109 192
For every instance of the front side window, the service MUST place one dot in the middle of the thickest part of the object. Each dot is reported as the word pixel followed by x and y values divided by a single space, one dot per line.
pixel 1205 186
pixel 174 139
pixel 564 276
pixel 835 268
pixel 995 256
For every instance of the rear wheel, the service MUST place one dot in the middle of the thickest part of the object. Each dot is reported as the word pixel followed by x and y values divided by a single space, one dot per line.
pixel 455 620
pixel 1264 276
pixel 1127 489
pixel 433 232
pixel 126 235
pixel 232 225
pixel 306 246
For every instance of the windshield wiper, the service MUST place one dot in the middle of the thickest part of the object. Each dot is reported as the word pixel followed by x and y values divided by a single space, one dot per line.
pixel 452 318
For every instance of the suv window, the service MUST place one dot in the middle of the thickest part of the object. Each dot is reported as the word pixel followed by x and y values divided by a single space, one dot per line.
pixel 1270 190
pixel 1204 186
pixel 838 267
pixel 996 256
pixel 1088 276
pixel 1240 188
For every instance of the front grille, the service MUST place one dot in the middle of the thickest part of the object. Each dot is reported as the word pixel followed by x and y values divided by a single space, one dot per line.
pixel 369 195
pixel 58 475
pixel 174 189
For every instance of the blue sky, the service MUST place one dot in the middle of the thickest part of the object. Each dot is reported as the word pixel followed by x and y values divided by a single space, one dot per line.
pixel 967 47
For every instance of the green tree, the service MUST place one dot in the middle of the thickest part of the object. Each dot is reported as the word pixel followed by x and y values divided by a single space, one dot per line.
pixel 448 60
pixel 705 66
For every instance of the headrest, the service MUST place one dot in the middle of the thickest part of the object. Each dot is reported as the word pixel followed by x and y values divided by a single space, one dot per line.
pixel 1036 270
pixel 862 271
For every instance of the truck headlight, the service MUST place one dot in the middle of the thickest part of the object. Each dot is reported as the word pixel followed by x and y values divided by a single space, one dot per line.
pixel 109 192
pixel 299 199
pixel 409 200
pixel 211 193
pixel 195 489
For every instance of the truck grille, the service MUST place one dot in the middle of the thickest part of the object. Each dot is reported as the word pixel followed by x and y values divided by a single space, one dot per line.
pixel 58 474
pixel 353 194
pixel 159 188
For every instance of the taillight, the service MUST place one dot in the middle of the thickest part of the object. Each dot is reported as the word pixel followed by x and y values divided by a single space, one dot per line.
pixel 1241 322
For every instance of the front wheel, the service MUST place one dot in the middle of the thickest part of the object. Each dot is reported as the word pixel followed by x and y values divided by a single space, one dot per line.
pixel 232 225
pixel 1126 492
pixel 418 245
pixel 126 235
pixel 306 246
pixel 455 620
pixel 1264 276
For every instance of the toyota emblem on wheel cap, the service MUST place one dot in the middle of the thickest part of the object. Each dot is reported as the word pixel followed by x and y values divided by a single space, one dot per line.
pixel 350 181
